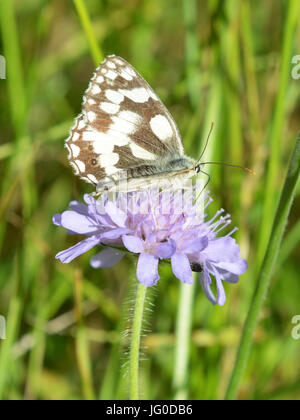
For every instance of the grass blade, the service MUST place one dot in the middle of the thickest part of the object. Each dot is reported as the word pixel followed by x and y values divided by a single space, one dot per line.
pixel 275 137
pixel 87 27
pixel 265 273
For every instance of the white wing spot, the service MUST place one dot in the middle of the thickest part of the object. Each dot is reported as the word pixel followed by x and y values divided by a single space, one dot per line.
pixel 81 125
pixel 111 74
pixel 80 165
pixel 161 127
pixel 117 139
pixel 126 75
pixel 101 141
pixel 114 96
pixel 141 153
pixel 96 89
pixel 92 178
pixel 75 136
pixel 75 150
pixel 126 122
pixel 118 61
pixel 131 117
pixel 109 108
pixel 130 71
pixel 105 142
pixel 109 159
pixel 111 64
pixel 105 146
pixel 100 79
pixel 122 126
pixel 153 96
pixel 91 116
pixel 110 170
pixel 138 95
pixel 91 101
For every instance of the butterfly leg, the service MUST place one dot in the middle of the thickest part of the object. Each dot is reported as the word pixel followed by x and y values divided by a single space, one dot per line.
pixel 207 182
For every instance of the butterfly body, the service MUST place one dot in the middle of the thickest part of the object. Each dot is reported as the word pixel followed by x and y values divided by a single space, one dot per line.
pixel 164 175
pixel 125 139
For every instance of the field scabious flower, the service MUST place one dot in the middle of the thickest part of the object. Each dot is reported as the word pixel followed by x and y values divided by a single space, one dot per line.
pixel 156 226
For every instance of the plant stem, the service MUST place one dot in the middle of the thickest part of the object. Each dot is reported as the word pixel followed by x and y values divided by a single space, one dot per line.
pixel 183 339
pixel 275 136
pixel 265 273
pixel 135 341
pixel 87 27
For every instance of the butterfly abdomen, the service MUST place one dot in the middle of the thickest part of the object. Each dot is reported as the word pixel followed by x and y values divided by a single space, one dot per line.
pixel 162 166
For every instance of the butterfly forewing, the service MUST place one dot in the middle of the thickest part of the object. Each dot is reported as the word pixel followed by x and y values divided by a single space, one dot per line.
pixel 123 125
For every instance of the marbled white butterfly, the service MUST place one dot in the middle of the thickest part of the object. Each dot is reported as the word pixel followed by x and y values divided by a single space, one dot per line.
pixel 125 139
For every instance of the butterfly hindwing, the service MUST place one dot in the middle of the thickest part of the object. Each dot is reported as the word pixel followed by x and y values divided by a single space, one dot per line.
pixel 83 157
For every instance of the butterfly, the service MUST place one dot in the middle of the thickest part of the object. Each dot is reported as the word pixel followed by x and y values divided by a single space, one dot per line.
pixel 125 138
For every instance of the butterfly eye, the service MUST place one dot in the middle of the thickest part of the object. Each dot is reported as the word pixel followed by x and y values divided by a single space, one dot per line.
pixel 197 169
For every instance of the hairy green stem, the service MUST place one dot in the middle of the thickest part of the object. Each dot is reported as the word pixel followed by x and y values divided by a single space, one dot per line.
pixel 183 339
pixel 137 325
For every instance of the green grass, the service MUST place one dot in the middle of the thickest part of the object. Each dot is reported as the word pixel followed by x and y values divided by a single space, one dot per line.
pixel 209 61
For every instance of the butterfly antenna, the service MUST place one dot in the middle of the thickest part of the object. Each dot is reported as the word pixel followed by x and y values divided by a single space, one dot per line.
pixel 207 140
pixel 219 163
pixel 229 164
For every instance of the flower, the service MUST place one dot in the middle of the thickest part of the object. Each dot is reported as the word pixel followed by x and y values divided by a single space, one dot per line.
pixel 156 226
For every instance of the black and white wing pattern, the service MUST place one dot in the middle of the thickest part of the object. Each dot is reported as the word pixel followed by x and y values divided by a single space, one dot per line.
pixel 123 125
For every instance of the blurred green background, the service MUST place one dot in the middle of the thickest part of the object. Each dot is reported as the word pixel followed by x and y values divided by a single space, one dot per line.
pixel 227 62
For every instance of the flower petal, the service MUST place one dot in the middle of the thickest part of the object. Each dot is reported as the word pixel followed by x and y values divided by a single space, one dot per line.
pixel 205 282
pixel 106 258
pixel 89 199
pixel 133 243
pixel 165 250
pixel 222 249
pixel 113 234
pixel 56 219
pixel 147 269
pixel 227 276
pixel 117 215
pixel 221 296
pixel 192 246
pixel 181 267
pixel 141 224
pixel 78 223
pixel 238 267
pixel 69 254
pixel 79 207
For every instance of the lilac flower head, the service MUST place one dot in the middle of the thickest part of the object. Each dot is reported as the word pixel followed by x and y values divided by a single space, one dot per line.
pixel 156 226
